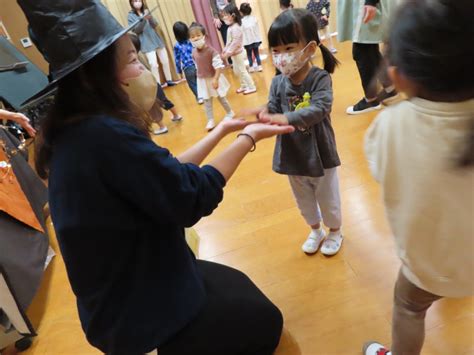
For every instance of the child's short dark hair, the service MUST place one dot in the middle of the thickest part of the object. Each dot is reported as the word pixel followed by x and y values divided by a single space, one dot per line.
pixel 181 31
pixel 286 4
pixel 135 41
pixel 245 9
pixel 299 25
pixel 197 26
pixel 232 10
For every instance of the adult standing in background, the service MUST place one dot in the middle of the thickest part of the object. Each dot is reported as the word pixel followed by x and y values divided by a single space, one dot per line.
pixel 151 43
pixel 364 22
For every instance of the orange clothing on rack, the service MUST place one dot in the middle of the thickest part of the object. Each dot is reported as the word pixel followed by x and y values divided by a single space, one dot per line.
pixel 13 200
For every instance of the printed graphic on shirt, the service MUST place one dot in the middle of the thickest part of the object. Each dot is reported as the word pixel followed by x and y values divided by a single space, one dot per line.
pixel 299 102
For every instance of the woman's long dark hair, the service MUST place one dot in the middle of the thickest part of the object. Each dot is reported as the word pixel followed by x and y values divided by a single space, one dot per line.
pixel 299 25
pixel 92 89
pixel 429 43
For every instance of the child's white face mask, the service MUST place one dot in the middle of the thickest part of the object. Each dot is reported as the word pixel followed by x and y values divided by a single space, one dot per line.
pixel 290 62
pixel 199 43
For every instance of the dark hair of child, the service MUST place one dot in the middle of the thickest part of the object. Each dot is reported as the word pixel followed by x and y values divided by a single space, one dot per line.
pixel 429 43
pixel 299 25
pixel 245 9
pixel 197 26
pixel 286 4
pixel 232 10
pixel 181 31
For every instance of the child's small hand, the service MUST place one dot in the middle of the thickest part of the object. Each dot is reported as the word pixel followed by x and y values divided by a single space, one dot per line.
pixel 324 18
pixel 215 84
pixel 273 118
pixel 251 111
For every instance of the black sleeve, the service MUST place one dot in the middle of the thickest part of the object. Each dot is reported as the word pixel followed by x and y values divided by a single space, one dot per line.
pixel 150 178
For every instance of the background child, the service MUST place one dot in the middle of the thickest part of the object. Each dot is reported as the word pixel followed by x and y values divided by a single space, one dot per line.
pixel 252 39
pixel 285 5
pixel 210 80
pixel 322 9
pixel 235 49
pixel 183 58
pixel 422 153
pixel 162 100
pixel 302 97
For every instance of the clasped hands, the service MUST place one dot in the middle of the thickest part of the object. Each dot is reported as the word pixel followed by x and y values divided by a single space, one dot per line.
pixel 266 125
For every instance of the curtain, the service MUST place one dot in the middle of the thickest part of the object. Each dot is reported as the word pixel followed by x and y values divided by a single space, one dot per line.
pixel 203 13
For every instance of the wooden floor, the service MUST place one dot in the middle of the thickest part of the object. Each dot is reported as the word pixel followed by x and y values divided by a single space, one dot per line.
pixel 330 305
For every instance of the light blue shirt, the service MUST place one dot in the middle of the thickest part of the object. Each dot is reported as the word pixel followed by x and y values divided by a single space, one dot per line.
pixel 149 39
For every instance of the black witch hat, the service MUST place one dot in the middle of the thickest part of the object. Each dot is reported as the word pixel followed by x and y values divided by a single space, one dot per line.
pixel 68 33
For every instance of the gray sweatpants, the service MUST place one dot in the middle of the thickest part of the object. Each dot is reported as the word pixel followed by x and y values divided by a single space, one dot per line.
pixel 409 311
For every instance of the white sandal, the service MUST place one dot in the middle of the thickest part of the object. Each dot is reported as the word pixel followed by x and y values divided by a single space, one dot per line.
pixel 311 245
pixel 332 244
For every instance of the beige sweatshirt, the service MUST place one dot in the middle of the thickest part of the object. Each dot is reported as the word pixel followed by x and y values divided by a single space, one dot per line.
pixel 412 149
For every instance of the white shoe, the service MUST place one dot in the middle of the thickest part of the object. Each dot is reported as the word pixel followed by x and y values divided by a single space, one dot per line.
pixel 200 101
pixel 332 244
pixel 259 68
pixel 333 50
pixel 229 116
pixel 160 131
pixel 374 348
pixel 311 245
pixel 240 90
pixel 176 118
pixel 210 125
pixel 250 91
pixel 251 70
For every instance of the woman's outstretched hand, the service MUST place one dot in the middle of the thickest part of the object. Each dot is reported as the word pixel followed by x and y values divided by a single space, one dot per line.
pixel 261 131
pixel 234 125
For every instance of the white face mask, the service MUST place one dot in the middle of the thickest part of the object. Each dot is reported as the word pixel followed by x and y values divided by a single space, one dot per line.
pixel 142 90
pixel 137 5
pixel 199 43
pixel 290 62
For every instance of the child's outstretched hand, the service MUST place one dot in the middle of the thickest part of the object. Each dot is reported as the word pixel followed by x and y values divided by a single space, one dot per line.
pixel 251 111
pixel 273 118
pixel 264 117
pixel 215 84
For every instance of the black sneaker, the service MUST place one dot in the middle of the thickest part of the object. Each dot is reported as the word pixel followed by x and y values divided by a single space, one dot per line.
pixel 363 106
pixel 387 97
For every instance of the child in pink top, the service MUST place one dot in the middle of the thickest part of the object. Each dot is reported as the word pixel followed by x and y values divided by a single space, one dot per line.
pixel 210 80
pixel 235 49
